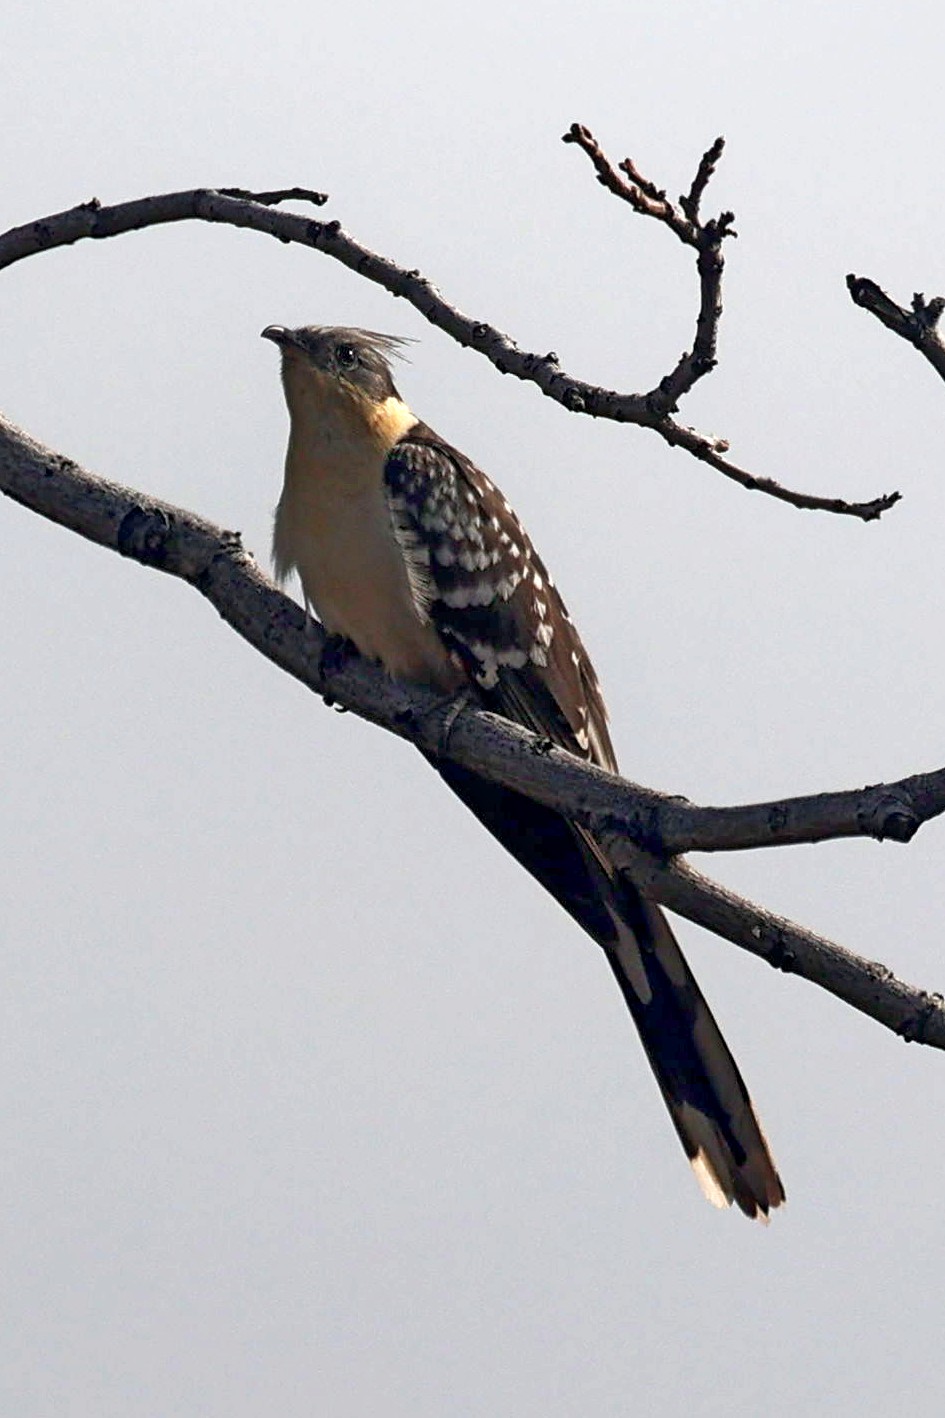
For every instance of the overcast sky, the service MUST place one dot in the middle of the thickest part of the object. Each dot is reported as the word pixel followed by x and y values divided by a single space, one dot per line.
pixel 312 1102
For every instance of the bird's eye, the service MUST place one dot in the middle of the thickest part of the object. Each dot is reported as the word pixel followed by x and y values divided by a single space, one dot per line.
pixel 346 355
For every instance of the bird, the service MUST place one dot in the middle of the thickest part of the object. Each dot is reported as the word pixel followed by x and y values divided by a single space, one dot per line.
pixel 405 548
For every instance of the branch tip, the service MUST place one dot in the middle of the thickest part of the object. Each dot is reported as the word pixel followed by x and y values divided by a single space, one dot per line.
pixel 918 325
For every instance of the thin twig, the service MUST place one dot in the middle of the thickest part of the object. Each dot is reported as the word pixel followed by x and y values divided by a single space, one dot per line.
pixel 918 325
pixel 281 194
pixel 92 221
pixel 636 822
pixel 709 161
pixel 642 195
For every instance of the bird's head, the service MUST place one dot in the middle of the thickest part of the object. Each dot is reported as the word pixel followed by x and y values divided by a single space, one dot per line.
pixel 338 386
pixel 355 362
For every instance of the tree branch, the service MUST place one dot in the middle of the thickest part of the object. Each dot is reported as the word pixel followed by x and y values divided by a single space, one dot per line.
pixel 93 221
pixel 641 827
pixel 919 325
pixel 706 239
pixel 684 222
pixel 917 1016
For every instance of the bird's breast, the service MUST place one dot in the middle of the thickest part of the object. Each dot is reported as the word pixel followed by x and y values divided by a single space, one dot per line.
pixel 336 532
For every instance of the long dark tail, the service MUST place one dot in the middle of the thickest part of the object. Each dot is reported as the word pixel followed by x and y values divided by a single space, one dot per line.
pixel 699 1079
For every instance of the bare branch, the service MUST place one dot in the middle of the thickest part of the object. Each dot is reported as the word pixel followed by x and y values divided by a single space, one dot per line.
pixel 915 1015
pixel 643 196
pixel 281 194
pixel 709 450
pixel 92 221
pixel 641 826
pixel 887 812
pixel 705 237
pixel 709 161
pixel 919 325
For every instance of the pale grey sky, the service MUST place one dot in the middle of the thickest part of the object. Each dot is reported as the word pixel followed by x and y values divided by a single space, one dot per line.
pixel 312 1103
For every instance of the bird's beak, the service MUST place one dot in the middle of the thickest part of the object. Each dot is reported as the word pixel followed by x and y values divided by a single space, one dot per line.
pixel 280 336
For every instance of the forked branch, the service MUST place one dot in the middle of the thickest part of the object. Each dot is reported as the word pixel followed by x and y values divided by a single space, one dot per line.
pixel 642 828
pixel 627 182
pixel 684 222
pixel 654 410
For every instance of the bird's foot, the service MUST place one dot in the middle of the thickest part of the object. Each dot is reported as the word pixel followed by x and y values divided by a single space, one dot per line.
pixel 444 713
pixel 335 653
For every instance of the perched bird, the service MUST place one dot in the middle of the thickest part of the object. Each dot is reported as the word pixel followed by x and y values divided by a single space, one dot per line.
pixel 404 547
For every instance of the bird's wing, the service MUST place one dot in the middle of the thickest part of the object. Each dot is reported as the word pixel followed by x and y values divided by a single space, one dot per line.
pixel 478 578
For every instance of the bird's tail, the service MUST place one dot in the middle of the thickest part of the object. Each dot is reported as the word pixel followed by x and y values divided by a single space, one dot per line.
pixel 704 1091
pixel 699 1079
